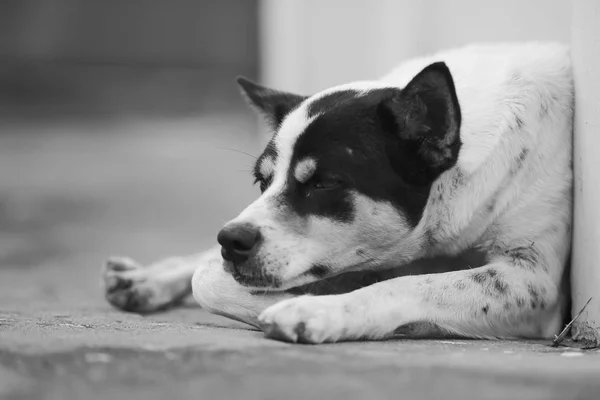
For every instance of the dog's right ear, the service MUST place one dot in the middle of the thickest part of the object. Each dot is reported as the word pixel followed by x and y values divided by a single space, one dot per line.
pixel 272 104
pixel 426 117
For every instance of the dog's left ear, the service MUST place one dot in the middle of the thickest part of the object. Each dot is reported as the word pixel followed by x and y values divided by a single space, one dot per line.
pixel 425 116
pixel 274 105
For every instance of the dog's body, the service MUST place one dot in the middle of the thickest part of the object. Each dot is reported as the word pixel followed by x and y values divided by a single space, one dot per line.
pixel 465 152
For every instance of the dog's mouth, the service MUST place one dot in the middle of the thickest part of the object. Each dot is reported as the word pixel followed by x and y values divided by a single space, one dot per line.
pixel 253 278
pixel 261 283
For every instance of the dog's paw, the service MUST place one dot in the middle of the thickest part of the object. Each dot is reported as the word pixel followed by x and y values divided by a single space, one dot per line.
pixel 305 320
pixel 131 287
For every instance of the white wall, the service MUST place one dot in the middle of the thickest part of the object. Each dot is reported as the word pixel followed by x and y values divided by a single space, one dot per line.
pixel 312 44
pixel 586 240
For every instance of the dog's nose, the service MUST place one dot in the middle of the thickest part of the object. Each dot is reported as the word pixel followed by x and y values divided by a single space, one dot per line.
pixel 237 241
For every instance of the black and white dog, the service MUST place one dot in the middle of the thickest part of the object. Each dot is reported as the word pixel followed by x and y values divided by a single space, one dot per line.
pixel 437 199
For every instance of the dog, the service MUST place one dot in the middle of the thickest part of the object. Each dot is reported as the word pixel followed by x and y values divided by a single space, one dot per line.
pixel 435 201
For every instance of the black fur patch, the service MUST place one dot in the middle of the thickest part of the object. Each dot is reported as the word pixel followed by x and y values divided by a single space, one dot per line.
pixel 520 122
pixel 270 151
pixel 388 144
pixel 491 281
pixel 479 277
pixel 534 296
pixel 520 302
pixel 520 160
pixel 368 169
pixel 500 286
pixel 330 101
pixel 523 155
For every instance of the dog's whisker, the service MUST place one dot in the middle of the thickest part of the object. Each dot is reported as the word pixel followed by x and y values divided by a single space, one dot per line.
pixel 238 151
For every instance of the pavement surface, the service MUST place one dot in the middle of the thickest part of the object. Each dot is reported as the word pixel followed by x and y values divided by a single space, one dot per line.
pixel 73 193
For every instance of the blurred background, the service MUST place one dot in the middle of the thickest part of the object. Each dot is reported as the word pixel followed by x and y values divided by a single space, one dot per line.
pixel 121 127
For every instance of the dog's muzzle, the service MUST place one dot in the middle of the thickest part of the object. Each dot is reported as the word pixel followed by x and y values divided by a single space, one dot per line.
pixel 239 246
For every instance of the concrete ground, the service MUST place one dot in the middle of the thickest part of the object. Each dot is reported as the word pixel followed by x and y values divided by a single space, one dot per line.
pixel 73 193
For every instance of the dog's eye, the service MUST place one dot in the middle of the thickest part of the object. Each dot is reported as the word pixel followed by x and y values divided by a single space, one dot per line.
pixel 325 183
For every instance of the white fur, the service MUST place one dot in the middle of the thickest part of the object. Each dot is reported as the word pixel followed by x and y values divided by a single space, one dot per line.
pixel 305 169
pixel 267 167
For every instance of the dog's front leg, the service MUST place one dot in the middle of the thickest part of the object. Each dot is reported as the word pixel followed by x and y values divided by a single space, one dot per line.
pixel 496 300
pixel 133 287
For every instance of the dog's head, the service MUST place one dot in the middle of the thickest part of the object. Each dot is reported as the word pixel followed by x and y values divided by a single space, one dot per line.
pixel 345 179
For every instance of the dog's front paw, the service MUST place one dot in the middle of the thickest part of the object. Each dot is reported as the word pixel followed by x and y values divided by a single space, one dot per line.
pixel 131 287
pixel 306 319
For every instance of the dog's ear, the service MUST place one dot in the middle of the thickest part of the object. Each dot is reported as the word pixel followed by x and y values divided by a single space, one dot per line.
pixel 426 117
pixel 274 105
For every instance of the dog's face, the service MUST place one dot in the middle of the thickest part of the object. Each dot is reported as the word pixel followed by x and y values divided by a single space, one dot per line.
pixel 344 179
